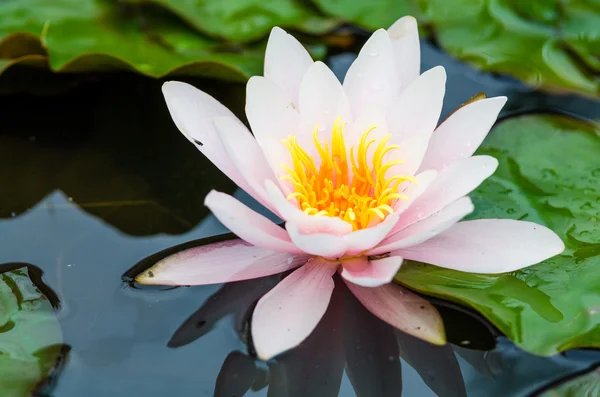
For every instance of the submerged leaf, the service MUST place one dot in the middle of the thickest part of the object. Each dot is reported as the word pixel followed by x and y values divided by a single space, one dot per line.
pixel 549 173
pixel 30 335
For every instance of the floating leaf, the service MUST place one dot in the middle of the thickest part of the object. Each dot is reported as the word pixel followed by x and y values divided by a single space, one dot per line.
pixel 546 44
pixel 30 335
pixel 96 35
pixel 549 173
pixel 587 385
pixel 369 14
pixel 246 20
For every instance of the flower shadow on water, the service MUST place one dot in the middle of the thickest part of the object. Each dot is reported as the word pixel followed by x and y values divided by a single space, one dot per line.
pixel 347 338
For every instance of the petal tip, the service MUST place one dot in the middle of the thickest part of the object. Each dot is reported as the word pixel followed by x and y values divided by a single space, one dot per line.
pixel 277 30
pixel 170 87
pixel 147 277
pixel 440 72
pixel 403 27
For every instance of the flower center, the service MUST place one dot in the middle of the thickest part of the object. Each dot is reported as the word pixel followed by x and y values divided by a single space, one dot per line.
pixel 346 184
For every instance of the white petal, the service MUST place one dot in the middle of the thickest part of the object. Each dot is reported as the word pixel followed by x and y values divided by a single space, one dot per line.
pixel 369 117
pixel 247 224
pixel 286 61
pixel 322 99
pixel 488 246
pixel 411 152
pixel 193 112
pixel 365 239
pixel 452 183
pixel 221 262
pixel 306 223
pixel 247 157
pixel 415 190
pixel 417 110
pixel 372 80
pixel 371 273
pixel 286 315
pixel 320 244
pixel 427 228
pixel 272 116
pixel 404 35
pixel 462 133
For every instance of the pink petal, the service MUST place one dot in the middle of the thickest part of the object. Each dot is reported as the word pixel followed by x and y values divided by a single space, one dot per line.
pixel 273 117
pixel 454 182
pixel 488 246
pixel 415 190
pixel 427 228
pixel 295 374
pixel 247 224
pixel 193 112
pixel 320 244
pixel 417 110
pixel 365 239
pixel 286 61
pixel 402 309
pixel 371 273
pixel 286 315
pixel 247 157
pixel 306 223
pixel 322 99
pixel 404 35
pixel 221 262
pixel 372 80
pixel 462 133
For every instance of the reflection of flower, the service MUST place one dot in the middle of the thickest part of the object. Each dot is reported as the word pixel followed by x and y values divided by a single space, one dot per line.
pixel 348 338
pixel 360 178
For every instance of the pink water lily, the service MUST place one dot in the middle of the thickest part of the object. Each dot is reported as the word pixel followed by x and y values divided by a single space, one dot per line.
pixel 363 177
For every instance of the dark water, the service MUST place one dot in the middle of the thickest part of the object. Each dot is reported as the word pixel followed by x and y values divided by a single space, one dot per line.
pixel 97 178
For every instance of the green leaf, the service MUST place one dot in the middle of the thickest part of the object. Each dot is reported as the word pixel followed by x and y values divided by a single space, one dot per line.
pixel 544 43
pixel 549 173
pixel 587 385
pixel 95 35
pixel 369 14
pixel 246 20
pixel 30 335
pixel 549 44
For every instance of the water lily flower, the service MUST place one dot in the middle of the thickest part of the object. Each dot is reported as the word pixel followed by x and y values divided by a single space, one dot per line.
pixel 362 176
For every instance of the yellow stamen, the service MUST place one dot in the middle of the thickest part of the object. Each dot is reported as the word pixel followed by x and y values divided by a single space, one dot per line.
pixel 355 191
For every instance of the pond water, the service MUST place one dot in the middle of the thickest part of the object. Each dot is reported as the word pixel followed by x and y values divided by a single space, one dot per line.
pixel 97 178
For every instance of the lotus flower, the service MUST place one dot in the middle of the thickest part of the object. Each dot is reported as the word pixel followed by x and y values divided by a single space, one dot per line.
pixel 361 174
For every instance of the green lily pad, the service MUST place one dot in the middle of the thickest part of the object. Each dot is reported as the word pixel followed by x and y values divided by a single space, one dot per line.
pixel 546 43
pixel 549 44
pixel 30 335
pixel 587 385
pixel 247 20
pixel 369 14
pixel 96 35
pixel 549 173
